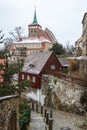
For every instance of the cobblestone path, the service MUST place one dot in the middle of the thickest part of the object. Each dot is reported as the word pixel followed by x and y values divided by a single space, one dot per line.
pixel 61 119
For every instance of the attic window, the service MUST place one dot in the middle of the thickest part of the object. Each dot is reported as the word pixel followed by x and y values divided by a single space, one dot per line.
pixel 31 65
pixel 52 67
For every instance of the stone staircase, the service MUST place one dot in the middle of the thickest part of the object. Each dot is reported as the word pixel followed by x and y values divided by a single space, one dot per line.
pixel 37 121
pixel 62 120
pixel 40 118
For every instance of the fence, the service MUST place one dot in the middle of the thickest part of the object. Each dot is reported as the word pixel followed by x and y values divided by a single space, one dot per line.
pixel 68 78
pixel 72 79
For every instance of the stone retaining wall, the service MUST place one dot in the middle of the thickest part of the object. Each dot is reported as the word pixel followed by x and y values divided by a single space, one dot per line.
pixel 83 69
pixel 65 95
pixel 9 113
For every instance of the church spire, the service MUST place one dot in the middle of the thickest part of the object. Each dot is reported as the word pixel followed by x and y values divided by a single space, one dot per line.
pixel 35 18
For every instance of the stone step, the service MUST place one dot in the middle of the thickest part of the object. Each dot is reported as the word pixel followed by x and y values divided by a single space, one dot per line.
pixel 37 122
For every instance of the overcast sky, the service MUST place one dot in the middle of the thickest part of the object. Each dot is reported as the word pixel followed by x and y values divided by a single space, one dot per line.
pixel 62 17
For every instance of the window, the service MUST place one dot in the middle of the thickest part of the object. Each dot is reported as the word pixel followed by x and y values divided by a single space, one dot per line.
pixel 22 76
pixel 33 79
pixel 28 77
pixel 52 67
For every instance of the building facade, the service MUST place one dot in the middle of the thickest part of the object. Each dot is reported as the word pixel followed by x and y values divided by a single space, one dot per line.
pixel 78 47
pixel 84 35
pixel 83 58
pixel 38 40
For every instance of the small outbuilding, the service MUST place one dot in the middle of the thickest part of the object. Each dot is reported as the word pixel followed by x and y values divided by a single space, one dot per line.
pixel 64 63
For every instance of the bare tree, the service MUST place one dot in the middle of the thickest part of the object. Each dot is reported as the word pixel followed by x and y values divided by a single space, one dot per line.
pixel 1 37
pixel 69 48
pixel 17 34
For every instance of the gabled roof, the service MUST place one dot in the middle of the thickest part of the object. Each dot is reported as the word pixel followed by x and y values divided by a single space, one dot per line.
pixel 50 36
pixel 35 62
pixel 63 62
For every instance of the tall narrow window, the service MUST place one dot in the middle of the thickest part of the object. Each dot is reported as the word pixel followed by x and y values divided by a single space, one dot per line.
pixel 22 76
pixel 33 79
pixel 28 77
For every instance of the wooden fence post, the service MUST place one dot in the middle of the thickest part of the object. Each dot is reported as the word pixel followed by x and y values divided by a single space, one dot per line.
pixel 33 106
pixel 45 111
pixel 50 123
pixel 36 107
pixel 42 110
pixel 47 117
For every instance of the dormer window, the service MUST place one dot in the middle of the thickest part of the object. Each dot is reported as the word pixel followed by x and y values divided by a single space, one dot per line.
pixel 31 65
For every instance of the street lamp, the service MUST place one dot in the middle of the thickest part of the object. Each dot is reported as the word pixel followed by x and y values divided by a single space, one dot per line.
pixel 51 106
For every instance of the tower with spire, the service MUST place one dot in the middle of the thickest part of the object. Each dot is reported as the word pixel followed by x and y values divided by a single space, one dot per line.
pixel 35 18
pixel 34 28
pixel 38 40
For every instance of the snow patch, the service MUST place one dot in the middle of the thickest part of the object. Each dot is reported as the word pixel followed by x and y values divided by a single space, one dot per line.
pixel 38 96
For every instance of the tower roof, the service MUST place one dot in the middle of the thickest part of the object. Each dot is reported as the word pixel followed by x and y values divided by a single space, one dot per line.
pixel 35 18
